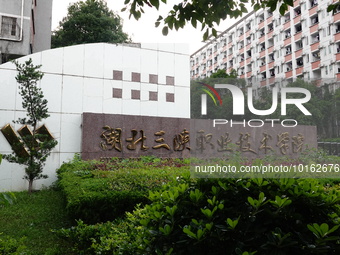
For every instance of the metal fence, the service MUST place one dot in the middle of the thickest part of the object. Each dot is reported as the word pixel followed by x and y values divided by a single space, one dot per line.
pixel 331 148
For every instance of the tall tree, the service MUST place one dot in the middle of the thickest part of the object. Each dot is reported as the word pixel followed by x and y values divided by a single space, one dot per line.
pixel 208 12
pixel 37 144
pixel 89 22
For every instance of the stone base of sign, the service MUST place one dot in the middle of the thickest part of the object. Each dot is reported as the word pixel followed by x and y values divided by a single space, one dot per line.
pixel 128 136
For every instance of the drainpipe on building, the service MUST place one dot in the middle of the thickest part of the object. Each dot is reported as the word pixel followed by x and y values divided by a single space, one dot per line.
pixel 22 20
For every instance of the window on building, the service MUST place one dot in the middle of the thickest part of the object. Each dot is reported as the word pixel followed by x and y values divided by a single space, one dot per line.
pixel 298 28
pixel 8 26
pixel 314 20
pixel 326 70
pixel 329 49
pixel 329 29
pixel 337 28
pixel 298 45
pixel 313 3
pixel 286 18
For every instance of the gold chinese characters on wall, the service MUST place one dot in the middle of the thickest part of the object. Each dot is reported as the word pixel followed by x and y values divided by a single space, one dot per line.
pixel 284 143
pixel 112 140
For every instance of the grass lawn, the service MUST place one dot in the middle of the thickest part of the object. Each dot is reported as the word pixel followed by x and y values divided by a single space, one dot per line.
pixel 33 217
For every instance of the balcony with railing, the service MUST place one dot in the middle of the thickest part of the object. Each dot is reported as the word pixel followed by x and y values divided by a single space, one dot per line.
pixel 289 74
pixel 337 57
pixel 286 25
pixel 270 33
pixel 297 36
pixel 336 17
pixel 298 53
pixel 263 68
pixel 262 53
pixel 261 24
pixel 297 19
pixel 337 36
pixel 263 82
pixel 313 9
pixel 287 41
pixel 316 64
pixel 271 64
pixel 314 28
pixel 262 38
pixel 338 76
pixel 299 70
pixel 288 57
pixel 271 81
pixel 314 46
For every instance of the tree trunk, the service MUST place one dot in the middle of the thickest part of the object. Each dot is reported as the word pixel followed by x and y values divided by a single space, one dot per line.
pixel 30 186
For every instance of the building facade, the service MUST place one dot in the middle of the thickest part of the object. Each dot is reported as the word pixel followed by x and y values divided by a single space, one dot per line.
pixel 267 47
pixel 25 27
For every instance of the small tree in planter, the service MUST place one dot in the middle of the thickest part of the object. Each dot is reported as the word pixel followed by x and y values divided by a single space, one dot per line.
pixel 38 145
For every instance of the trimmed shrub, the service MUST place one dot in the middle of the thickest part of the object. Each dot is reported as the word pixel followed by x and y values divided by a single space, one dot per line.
pixel 226 216
pixel 97 195
pixel 9 245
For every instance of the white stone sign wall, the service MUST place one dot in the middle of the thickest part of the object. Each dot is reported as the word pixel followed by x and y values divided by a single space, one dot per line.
pixel 144 80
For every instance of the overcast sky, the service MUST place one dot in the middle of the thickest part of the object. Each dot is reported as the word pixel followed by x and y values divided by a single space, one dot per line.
pixel 143 30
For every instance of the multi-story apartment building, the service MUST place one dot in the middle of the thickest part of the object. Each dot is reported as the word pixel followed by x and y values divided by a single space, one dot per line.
pixel 25 27
pixel 267 47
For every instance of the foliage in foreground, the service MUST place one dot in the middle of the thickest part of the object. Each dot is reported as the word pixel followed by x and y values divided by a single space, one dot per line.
pixel 209 13
pixel 223 216
pixel 9 245
pixel 97 192
pixel 7 199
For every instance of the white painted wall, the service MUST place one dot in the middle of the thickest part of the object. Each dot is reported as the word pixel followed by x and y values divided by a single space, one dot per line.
pixel 79 79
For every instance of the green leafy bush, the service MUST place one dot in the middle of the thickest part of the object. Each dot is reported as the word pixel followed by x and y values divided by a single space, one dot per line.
pixel 102 238
pixel 7 199
pixel 11 246
pixel 97 192
pixel 226 216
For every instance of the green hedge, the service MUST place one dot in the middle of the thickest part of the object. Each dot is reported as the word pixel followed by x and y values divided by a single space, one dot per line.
pixel 9 245
pixel 223 216
pixel 96 195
